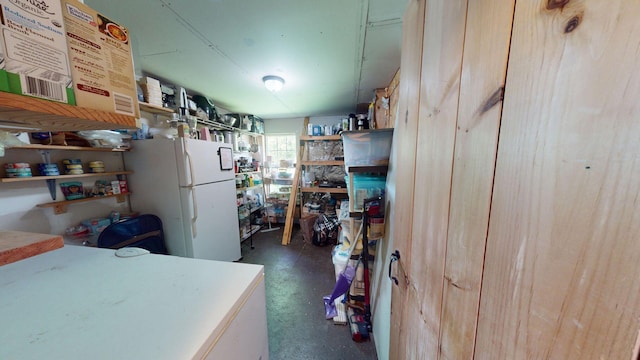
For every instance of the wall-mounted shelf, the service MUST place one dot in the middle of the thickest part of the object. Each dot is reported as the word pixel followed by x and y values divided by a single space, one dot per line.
pixel 65 148
pixel 33 114
pixel 154 109
pixel 60 207
pixel 59 177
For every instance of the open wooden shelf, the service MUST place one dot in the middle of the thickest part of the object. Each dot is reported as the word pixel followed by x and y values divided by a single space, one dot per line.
pixel 320 138
pixel 32 114
pixel 154 109
pixel 59 177
pixel 323 189
pixel 60 207
pixel 368 169
pixel 66 148
pixel 323 162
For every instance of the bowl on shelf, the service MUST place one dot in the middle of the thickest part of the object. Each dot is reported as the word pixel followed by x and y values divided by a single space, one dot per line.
pixel 228 120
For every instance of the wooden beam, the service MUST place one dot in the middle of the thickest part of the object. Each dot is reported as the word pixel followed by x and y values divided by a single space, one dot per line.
pixel 291 208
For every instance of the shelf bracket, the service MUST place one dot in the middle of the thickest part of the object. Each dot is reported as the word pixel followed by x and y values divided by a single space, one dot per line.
pixel 46 156
pixel 51 183
pixel 59 208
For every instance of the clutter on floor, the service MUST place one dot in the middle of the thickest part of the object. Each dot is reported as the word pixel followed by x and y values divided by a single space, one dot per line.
pixel 297 276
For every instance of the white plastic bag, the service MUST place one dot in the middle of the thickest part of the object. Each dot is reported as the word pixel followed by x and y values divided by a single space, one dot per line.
pixel 8 140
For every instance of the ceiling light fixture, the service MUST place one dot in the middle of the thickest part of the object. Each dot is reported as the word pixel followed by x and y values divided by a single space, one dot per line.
pixel 273 83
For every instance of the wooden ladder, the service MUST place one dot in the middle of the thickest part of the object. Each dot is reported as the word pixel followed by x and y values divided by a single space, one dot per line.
pixel 291 208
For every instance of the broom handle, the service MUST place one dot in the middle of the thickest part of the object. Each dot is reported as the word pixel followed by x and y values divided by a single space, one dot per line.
pixel 352 247
pixel 354 242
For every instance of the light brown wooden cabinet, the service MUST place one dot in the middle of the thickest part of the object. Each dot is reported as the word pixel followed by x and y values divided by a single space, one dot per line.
pixel 518 228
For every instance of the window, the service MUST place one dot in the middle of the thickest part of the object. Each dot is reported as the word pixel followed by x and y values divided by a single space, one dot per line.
pixel 281 147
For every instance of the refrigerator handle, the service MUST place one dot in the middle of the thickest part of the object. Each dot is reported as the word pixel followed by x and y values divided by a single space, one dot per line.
pixel 192 188
pixel 195 211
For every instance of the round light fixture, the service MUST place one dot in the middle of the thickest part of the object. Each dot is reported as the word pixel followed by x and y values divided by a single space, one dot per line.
pixel 273 83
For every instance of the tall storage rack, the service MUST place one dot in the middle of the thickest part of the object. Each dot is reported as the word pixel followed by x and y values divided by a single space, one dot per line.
pixel 366 153
pixel 298 187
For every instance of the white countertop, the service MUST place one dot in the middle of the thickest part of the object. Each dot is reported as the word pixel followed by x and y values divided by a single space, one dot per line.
pixel 85 303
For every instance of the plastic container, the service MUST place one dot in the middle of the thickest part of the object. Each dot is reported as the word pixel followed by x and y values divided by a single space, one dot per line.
pixel 17 170
pixel 72 190
pixel 96 225
pixel 365 186
pixel 48 169
pixel 367 148
pixel 376 228
pixel 340 259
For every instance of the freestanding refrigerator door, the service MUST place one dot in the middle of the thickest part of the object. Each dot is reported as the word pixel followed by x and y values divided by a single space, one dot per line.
pixel 216 226
pixel 199 162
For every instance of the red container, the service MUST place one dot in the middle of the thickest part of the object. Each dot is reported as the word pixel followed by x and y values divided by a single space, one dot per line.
pixel 123 187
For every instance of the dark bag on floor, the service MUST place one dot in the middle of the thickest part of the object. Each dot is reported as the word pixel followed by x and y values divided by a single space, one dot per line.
pixel 325 230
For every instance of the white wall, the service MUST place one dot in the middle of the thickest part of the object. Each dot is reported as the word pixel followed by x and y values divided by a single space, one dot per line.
pixel 294 125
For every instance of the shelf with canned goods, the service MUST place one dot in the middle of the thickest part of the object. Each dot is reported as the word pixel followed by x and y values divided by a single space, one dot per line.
pixel 51 171
pixel 58 177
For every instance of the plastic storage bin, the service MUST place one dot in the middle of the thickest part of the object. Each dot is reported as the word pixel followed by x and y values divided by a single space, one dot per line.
pixel 365 186
pixel 367 147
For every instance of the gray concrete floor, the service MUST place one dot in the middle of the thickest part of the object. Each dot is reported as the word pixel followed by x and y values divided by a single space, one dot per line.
pixel 297 276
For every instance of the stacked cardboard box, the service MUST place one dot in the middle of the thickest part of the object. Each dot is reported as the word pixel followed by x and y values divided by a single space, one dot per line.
pixel 151 90
pixel 65 51
pixel 101 60
pixel 34 48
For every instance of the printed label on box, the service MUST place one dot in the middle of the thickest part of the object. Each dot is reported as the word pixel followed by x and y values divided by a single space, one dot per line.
pixel 101 61
pixel 35 48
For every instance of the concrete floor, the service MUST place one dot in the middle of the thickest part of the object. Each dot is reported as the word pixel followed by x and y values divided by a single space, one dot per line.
pixel 297 276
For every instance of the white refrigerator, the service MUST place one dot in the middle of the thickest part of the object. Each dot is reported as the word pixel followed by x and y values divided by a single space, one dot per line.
pixel 191 188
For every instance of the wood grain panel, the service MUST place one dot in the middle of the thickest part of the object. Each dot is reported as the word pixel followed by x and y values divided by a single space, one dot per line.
pixel 439 94
pixel 18 110
pixel 17 245
pixel 488 31
pixel 402 168
pixel 561 270
pixel 394 93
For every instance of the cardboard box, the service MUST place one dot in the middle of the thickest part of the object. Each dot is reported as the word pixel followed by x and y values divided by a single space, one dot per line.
pixel 34 47
pixel 151 90
pixel 101 60
pixel 96 225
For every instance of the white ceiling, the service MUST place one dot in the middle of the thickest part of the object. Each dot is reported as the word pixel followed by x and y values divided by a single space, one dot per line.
pixel 331 53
